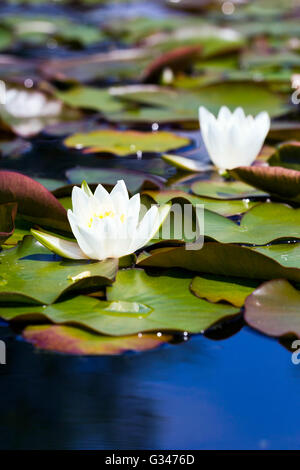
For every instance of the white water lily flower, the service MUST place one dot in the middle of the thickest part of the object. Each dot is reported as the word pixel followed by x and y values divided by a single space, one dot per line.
pixel 105 225
pixel 27 112
pixel 233 139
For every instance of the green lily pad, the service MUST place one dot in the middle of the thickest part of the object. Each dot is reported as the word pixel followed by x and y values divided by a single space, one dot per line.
pixel 75 341
pixel 135 180
pixel 30 273
pixel 275 261
pixel 6 38
pixel 35 203
pixel 186 164
pixel 214 289
pixel 124 143
pixel 223 207
pixel 225 190
pixel 262 224
pixel 86 97
pixel 185 104
pixel 281 182
pixel 274 309
pixel 152 303
pixel 287 155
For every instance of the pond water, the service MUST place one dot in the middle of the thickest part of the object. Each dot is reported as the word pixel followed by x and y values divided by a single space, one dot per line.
pixel 241 392
pixel 238 393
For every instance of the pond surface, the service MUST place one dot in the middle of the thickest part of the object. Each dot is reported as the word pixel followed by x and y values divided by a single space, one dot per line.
pixel 238 393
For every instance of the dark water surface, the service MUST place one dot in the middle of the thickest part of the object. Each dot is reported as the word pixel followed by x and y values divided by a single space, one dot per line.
pixel 238 393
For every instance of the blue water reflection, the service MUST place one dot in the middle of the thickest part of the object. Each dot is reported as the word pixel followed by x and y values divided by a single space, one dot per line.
pixel 238 393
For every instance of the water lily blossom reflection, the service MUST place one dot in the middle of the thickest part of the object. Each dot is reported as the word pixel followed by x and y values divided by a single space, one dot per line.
pixel 105 225
pixel 233 139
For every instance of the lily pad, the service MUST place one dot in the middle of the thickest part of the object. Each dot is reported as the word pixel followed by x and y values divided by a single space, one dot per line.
pixel 225 190
pixel 274 309
pixel 152 303
pixel 275 261
pixel 281 182
pixel 75 341
pixel 223 207
pixel 262 224
pixel 35 203
pixel 135 180
pixel 124 143
pixel 287 155
pixel 7 220
pixel 30 273
pixel 185 104
pixel 233 291
pixel 186 164
pixel 86 97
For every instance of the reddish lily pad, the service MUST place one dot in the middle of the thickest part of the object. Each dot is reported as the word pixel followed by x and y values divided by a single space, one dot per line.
pixel 281 182
pixel 176 59
pixel 75 341
pixel 274 309
pixel 35 203
pixel 7 220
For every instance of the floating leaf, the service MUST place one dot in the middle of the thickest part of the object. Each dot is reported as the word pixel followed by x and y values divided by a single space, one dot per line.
pixel 275 261
pixel 35 202
pixel 86 97
pixel 234 291
pixel 223 207
pixel 136 303
pixel 274 309
pixel 275 180
pixel 135 180
pixel 124 143
pixel 287 155
pixel 176 59
pixel 225 190
pixel 185 104
pixel 7 220
pixel 30 273
pixel 186 164
pixel 70 340
pixel 262 224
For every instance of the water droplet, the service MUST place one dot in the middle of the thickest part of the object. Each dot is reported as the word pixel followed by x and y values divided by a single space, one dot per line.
pixel 228 8
pixel 159 334
pixel 28 83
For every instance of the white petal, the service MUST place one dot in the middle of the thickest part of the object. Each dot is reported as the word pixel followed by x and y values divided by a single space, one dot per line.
pixel 79 202
pixel 145 229
pixel 224 114
pixel 101 194
pixel 64 248
pixel 82 241
pixel 119 197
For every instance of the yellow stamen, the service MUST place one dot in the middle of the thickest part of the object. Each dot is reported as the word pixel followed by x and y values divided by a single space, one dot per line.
pixel 103 216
